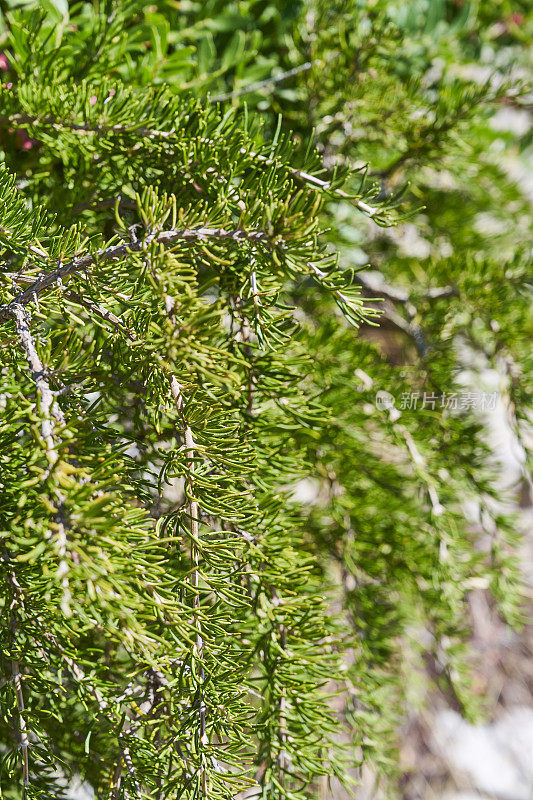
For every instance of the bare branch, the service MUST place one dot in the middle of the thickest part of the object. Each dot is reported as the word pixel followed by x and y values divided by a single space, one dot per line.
pixel 395 293
pixel 109 202
pixel 258 85
pixel 414 332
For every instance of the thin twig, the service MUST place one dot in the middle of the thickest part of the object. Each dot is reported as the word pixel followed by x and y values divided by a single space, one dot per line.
pixel 245 336
pixel 85 302
pixel 100 311
pixel 110 202
pixel 194 519
pixel 312 180
pixel 421 467
pixel 258 85
pixel 24 744
pixel 63 568
pixel 194 523
pixel 341 297
pixel 283 756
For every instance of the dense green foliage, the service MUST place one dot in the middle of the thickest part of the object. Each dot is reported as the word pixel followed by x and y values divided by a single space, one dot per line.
pixel 227 560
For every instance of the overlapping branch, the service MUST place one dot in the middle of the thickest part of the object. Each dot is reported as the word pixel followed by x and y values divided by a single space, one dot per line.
pixel 79 676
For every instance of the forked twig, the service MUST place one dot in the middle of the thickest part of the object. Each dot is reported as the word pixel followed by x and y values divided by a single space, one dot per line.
pixel 48 279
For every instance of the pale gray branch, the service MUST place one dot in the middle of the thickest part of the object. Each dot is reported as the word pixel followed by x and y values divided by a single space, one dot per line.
pixel 395 293
pixel 84 262
pixel 48 405
pixel 258 85
pixel 100 311
pixel 194 521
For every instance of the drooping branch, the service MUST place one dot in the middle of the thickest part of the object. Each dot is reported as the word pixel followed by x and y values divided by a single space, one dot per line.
pixel 193 512
pixel 283 758
pixel 51 413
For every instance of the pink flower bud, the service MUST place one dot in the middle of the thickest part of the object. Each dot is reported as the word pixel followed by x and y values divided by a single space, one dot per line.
pixel 516 18
pixel 92 100
pixel 4 63
pixel 23 140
